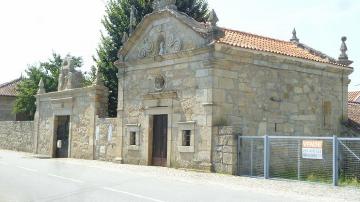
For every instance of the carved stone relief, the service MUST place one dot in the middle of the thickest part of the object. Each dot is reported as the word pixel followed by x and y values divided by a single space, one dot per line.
pixel 159 82
pixel 174 44
pixel 69 78
pixel 187 105
pixel 146 49
pixel 159 42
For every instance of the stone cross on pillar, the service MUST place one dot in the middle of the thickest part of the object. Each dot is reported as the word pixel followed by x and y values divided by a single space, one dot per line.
pixel 163 4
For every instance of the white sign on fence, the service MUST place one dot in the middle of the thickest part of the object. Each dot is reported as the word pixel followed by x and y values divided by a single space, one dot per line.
pixel 312 149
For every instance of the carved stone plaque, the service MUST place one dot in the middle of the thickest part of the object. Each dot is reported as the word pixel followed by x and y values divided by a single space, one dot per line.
pixel 159 83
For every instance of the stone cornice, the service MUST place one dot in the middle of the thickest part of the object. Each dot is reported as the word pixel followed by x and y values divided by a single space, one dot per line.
pixel 71 92
pixel 170 59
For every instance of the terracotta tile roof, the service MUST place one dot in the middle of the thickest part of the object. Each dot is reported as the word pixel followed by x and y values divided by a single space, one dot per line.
pixel 354 96
pixel 9 88
pixel 260 43
pixel 354 112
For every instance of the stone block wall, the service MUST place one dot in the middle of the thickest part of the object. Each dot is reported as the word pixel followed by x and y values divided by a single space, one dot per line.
pixel 106 139
pixel 17 136
pixel 224 158
pixel 268 94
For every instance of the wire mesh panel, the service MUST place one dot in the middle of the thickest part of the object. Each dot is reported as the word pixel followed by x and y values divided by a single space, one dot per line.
pixel 349 162
pixel 251 157
pixel 301 159
pixel 316 159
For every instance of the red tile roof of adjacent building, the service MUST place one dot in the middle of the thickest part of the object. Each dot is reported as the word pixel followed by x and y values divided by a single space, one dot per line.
pixel 9 88
pixel 287 48
pixel 354 112
pixel 354 96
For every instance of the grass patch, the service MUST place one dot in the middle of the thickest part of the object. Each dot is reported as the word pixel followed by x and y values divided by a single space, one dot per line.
pixel 349 181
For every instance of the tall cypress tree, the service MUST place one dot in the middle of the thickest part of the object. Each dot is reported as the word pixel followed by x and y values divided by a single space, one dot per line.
pixel 116 21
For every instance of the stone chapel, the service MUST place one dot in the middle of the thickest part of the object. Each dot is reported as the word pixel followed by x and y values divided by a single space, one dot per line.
pixel 187 89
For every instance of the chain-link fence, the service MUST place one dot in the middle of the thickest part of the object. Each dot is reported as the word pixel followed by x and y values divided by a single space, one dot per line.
pixel 317 159
pixel 252 157
pixel 349 161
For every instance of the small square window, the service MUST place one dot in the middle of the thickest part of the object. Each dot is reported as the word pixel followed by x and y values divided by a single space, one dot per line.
pixel 132 138
pixel 186 138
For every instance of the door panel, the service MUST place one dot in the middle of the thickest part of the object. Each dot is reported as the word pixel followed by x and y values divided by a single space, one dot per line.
pixel 159 153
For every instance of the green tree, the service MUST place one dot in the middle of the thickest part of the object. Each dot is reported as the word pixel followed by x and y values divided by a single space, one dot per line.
pixel 27 89
pixel 116 21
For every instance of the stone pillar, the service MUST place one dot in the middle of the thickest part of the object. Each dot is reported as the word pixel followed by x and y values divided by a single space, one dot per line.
pixel 36 125
pixel 120 111
pixel 225 150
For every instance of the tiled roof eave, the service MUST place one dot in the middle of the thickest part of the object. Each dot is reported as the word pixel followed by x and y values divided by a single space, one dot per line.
pixel 288 55
pixel 6 95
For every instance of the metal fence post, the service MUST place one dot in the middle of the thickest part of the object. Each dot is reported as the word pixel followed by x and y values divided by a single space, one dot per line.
pixel 335 161
pixel 266 156
pixel 251 156
pixel 299 160
pixel 238 154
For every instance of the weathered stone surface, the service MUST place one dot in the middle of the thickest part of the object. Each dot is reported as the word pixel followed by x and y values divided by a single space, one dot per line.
pixel 82 105
pixel 17 136
pixel 106 139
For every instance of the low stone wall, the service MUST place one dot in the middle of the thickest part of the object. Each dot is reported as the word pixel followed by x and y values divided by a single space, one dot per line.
pixel 105 139
pixel 17 135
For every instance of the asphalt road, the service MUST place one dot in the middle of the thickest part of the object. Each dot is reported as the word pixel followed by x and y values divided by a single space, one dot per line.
pixel 26 178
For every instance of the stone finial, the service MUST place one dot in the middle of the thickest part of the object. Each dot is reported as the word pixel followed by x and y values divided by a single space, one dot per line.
pixel 213 19
pixel 343 58
pixel 294 37
pixel 98 80
pixel 124 38
pixel 343 49
pixel 41 87
pixel 163 4
pixel 132 23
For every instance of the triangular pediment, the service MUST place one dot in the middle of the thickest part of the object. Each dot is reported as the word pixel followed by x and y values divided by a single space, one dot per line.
pixel 162 33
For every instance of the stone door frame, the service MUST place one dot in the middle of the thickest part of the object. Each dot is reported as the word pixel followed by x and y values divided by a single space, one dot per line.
pixel 54 135
pixel 149 114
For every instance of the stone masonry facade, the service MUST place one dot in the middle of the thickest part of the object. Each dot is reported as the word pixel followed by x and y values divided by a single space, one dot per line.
pixel 210 84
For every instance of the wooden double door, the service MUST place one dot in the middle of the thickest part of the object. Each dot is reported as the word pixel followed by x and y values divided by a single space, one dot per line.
pixel 159 149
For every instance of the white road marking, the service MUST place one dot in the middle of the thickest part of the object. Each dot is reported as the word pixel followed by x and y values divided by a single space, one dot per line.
pixel 66 178
pixel 3 163
pixel 132 194
pixel 28 169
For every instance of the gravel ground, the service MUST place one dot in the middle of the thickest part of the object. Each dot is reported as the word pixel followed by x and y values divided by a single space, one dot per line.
pixel 302 191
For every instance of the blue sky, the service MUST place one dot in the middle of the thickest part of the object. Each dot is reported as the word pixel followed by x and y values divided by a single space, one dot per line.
pixel 31 30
